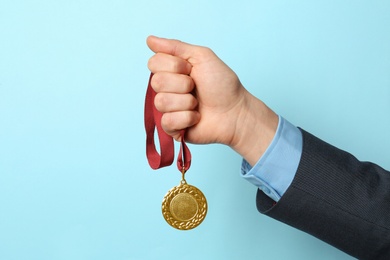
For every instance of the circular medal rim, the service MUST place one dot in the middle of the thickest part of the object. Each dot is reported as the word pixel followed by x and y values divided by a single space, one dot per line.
pixel 197 219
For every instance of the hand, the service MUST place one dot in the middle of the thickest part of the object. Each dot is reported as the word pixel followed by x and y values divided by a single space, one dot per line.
pixel 198 92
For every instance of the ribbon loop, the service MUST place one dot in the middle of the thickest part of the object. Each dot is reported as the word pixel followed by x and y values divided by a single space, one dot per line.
pixel 152 120
pixel 184 157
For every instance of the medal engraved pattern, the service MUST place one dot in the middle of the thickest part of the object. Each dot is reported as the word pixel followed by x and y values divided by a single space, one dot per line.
pixel 184 207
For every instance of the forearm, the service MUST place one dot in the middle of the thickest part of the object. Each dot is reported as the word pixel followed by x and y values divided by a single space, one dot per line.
pixel 337 199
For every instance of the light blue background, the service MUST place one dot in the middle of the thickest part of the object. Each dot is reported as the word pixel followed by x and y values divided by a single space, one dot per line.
pixel 74 180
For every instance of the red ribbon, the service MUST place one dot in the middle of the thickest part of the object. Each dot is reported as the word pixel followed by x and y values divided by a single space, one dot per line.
pixel 153 121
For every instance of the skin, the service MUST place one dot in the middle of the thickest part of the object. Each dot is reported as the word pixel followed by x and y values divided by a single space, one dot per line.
pixel 198 92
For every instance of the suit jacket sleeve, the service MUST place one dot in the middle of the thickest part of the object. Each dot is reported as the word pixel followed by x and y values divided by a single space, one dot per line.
pixel 337 199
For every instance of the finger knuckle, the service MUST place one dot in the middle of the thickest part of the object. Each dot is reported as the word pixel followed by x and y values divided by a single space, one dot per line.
pixel 150 64
pixel 206 52
pixel 187 118
pixel 187 83
pixel 160 102
pixel 193 102
pixel 168 122
pixel 157 82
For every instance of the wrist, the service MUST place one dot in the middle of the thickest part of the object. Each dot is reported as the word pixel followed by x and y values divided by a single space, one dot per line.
pixel 256 126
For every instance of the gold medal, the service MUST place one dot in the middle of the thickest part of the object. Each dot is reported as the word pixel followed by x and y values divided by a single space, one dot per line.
pixel 184 207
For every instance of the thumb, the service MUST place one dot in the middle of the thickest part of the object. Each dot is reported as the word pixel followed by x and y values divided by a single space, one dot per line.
pixel 172 47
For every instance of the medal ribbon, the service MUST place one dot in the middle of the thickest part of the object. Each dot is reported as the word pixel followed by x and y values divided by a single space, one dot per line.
pixel 153 121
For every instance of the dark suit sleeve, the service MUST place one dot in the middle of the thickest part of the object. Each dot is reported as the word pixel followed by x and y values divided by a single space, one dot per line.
pixel 338 199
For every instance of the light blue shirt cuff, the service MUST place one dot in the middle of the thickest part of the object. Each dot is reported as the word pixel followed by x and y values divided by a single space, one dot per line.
pixel 275 170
